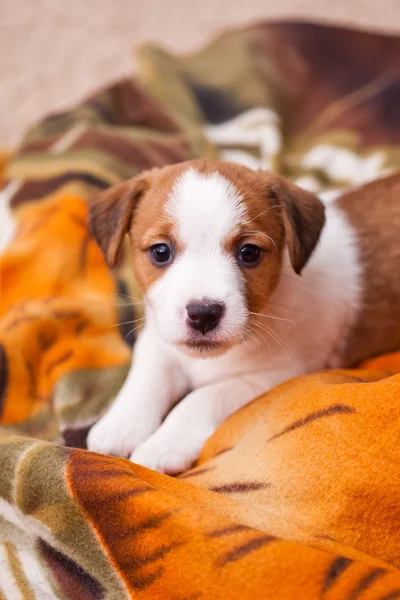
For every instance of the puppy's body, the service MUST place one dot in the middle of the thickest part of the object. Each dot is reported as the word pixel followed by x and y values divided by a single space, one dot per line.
pixel 373 213
pixel 274 324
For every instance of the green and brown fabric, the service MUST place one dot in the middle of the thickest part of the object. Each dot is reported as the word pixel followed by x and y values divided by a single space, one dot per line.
pixel 295 497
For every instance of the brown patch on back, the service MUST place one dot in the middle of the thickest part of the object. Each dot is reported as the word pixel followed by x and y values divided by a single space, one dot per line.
pixel 374 211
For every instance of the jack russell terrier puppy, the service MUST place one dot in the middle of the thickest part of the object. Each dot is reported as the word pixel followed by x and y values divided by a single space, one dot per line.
pixel 248 281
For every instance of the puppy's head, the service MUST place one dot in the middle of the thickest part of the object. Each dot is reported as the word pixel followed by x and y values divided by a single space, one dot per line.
pixel 207 240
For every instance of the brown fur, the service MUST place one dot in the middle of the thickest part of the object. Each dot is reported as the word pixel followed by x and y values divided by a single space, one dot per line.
pixel 374 212
pixel 109 219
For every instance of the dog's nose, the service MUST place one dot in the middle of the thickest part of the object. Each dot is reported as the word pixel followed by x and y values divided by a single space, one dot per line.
pixel 204 316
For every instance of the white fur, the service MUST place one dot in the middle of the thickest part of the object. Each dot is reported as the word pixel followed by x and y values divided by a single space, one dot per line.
pixel 303 329
pixel 206 209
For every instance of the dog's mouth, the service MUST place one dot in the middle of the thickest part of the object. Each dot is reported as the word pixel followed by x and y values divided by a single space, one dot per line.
pixel 206 347
pixel 203 345
pixel 209 344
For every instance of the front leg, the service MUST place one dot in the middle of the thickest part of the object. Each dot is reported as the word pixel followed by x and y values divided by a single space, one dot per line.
pixel 178 442
pixel 154 384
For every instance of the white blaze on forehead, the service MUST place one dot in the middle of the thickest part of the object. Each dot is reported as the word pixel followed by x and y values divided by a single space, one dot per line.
pixel 204 207
pixel 205 210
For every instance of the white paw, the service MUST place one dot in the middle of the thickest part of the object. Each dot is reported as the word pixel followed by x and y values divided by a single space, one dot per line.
pixel 170 455
pixel 119 434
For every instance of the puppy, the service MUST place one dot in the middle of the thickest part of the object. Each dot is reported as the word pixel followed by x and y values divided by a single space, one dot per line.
pixel 248 281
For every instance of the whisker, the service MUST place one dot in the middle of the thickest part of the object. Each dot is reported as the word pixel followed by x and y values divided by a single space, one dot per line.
pixel 275 336
pixel 93 301
pixel 132 330
pixel 126 305
pixel 249 333
pixel 263 340
pixel 129 322
pixel 264 212
pixel 256 335
pixel 245 340
pixel 131 298
pixel 125 295
pixel 273 317
pixel 291 308
pixel 265 235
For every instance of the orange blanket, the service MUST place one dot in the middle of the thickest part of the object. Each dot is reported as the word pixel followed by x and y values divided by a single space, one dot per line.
pixel 297 495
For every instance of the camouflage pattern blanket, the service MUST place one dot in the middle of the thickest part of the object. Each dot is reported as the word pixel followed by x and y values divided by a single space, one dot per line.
pixel 297 496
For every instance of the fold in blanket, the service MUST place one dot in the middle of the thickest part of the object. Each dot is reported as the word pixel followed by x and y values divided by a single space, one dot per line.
pixel 298 495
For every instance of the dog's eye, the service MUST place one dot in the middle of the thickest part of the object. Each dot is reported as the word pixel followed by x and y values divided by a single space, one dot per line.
pixel 160 254
pixel 249 254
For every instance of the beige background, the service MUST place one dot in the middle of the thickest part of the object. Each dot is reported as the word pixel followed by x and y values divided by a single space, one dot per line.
pixel 54 51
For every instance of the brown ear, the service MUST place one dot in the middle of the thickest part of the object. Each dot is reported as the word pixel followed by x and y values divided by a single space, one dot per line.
pixel 111 214
pixel 303 216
